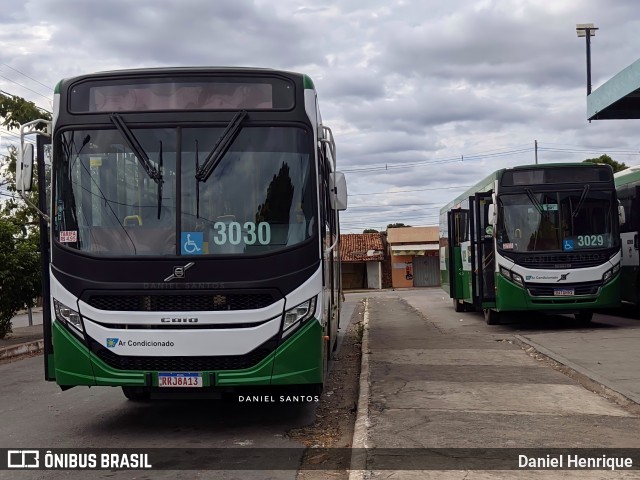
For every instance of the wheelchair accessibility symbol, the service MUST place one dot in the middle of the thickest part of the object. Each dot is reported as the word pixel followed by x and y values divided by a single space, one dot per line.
pixel 567 245
pixel 191 243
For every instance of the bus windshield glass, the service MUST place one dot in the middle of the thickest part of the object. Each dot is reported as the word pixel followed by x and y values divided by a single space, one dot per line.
pixel 259 198
pixel 562 221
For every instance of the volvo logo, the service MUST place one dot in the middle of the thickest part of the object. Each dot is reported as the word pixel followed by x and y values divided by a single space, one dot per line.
pixel 178 272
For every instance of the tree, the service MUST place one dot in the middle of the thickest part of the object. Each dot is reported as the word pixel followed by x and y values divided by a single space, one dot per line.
pixel 20 281
pixel 617 166
pixel 397 225
pixel 370 230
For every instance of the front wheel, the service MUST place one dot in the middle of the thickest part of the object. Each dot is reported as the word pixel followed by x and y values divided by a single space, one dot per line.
pixel 136 394
pixel 584 317
pixel 491 316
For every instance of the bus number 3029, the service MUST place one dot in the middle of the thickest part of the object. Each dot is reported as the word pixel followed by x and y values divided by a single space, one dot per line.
pixel 249 233
pixel 590 240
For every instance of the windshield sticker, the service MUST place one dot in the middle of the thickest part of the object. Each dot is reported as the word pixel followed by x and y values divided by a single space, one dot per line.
pixel 507 246
pixel 68 236
pixel 549 207
pixel 191 243
pixel 567 245
pixel 95 162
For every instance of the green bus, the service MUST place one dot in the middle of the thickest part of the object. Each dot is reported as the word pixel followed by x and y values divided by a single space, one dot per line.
pixel 193 235
pixel 534 238
pixel 628 189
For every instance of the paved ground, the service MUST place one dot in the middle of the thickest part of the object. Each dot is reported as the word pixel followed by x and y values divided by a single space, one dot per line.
pixel 445 380
pixel 440 379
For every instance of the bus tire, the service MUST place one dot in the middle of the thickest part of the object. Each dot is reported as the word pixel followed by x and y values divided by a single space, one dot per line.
pixel 584 317
pixel 136 394
pixel 491 316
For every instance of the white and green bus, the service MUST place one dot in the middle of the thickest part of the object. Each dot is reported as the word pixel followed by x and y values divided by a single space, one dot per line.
pixel 628 188
pixel 193 234
pixel 534 238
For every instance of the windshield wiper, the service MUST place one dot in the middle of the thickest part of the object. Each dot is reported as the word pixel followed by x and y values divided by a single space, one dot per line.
pixel 583 197
pixel 535 201
pixel 141 155
pixel 137 149
pixel 221 147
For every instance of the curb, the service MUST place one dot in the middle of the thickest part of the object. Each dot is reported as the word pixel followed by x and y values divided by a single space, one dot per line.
pixel 35 346
pixel 359 443
pixel 629 396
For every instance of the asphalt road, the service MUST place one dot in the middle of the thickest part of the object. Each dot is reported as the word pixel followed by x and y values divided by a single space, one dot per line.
pixel 36 414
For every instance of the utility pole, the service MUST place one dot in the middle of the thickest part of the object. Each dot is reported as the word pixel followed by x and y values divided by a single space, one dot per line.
pixel 535 143
pixel 587 30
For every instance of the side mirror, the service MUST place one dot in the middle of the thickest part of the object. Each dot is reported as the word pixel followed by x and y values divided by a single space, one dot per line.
pixel 338 185
pixel 24 168
pixel 491 213
pixel 621 215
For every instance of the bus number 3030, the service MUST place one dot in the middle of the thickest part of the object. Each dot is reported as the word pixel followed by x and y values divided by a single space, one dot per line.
pixel 249 233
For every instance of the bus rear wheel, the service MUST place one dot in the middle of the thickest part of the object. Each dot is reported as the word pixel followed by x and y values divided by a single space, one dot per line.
pixel 458 306
pixel 491 316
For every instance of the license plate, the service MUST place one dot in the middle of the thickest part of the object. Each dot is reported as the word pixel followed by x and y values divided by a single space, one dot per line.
pixel 180 379
pixel 563 292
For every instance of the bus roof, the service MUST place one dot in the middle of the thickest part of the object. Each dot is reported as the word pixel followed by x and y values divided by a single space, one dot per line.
pixel 487 183
pixel 627 176
pixel 155 71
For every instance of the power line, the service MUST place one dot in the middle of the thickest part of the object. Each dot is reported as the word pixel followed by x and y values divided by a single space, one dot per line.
pixel 31 78
pixel 27 88
pixel 407 191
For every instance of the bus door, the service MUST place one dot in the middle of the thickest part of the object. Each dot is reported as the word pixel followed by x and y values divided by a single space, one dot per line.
pixel 43 203
pixel 483 252
pixel 458 232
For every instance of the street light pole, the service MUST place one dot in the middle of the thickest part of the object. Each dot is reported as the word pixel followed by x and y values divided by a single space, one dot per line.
pixel 587 30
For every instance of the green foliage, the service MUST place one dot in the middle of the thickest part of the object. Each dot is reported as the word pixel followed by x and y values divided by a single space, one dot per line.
pixel 20 281
pixel 397 225
pixel 14 111
pixel 617 166
pixel 370 230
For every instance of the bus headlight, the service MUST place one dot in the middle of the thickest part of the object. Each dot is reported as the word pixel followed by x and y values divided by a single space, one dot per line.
pixel 609 274
pixel 513 276
pixel 68 316
pixel 297 315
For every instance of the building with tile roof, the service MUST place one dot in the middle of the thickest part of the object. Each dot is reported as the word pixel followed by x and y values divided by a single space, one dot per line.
pixel 361 257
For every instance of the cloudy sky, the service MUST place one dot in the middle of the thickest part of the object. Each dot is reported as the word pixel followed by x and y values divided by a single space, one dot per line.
pixel 425 97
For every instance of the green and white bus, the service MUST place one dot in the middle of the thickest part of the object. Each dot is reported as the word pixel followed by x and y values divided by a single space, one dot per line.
pixel 628 188
pixel 193 242
pixel 534 238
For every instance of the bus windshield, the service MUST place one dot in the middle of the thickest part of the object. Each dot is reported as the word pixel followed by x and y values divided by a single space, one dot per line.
pixel 557 221
pixel 259 198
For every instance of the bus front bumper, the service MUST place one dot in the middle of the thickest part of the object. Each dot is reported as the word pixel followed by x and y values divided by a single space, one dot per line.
pixel 298 360
pixel 513 297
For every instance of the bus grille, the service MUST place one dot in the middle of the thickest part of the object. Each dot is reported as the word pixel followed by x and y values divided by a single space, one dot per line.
pixel 563 260
pixel 546 289
pixel 183 364
pixel 166 302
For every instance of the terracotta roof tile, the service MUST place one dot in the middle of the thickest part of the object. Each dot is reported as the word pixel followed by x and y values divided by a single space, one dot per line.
pixel 354 247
